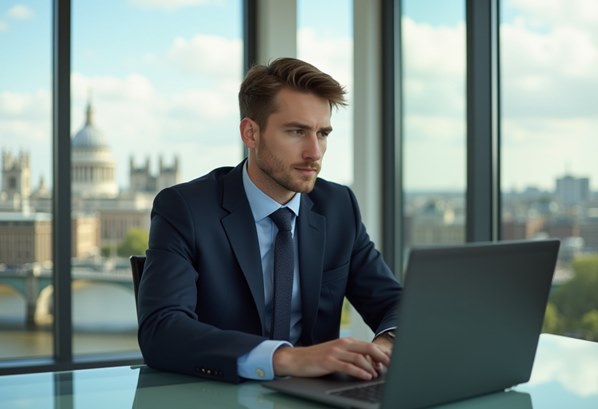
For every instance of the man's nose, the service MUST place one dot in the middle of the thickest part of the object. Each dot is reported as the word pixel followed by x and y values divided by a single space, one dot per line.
pixel 313 147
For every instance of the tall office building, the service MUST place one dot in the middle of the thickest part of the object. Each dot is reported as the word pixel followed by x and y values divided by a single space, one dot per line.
pixel 572 191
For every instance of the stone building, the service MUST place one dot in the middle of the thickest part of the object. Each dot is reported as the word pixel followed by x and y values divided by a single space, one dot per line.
pixel 102 214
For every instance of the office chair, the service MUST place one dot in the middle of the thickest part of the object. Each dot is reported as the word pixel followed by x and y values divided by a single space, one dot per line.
pixel 137 263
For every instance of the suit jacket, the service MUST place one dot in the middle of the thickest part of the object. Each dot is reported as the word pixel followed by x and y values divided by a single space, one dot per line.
pixel 201 295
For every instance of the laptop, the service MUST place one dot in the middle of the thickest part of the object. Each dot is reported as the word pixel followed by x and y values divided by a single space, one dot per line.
pixel 470 318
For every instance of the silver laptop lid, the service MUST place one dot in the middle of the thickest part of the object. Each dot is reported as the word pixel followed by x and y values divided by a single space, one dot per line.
pixel 470 320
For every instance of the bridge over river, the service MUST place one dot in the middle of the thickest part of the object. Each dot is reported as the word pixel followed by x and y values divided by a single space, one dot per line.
pixel 30 281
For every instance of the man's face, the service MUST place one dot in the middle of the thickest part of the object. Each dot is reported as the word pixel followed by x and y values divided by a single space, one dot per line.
pixel 286 156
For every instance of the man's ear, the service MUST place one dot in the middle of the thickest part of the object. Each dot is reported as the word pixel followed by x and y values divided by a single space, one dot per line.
pixel 249 132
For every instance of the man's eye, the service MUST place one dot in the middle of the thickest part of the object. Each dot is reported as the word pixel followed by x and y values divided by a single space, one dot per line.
pixel 296 131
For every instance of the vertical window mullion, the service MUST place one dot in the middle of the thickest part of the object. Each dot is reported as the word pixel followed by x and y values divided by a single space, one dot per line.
pixel 482 215
pixel 392 120
pixel 250 43
pixel 61 208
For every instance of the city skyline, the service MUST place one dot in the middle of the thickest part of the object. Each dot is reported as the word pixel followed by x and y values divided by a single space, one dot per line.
pixel 154 91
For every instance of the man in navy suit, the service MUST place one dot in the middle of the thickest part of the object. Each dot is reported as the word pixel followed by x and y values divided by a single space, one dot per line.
pixel 205 296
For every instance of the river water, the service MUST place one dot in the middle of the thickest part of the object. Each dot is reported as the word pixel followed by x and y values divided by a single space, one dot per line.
pixel 104 321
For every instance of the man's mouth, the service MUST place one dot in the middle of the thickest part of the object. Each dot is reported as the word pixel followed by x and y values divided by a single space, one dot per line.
pixel 308 169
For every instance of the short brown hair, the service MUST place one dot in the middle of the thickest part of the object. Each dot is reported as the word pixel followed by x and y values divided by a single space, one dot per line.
pixel 263 82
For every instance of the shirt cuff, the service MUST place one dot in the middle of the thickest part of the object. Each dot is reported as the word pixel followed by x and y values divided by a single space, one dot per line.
pixel 257 363
pixel 385 331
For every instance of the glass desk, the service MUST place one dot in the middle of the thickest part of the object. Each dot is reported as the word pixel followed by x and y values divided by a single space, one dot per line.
pixel 565 375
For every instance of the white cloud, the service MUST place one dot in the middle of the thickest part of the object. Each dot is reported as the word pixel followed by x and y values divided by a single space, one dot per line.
pixel 434 139
pixel 206 55
pixel 549 99
pixel 546 59
pixel 539 149
pixel 136 119
pixel 549 91
pixel 542 14
pixel 337 164
pixel 3 26
pixel 434 69
pixel 549 51
pixel 169 4
pixel 24 111
pixel 209 105
pixel 12 103
pixel 549 55
pixel 431 51
pixel 25 125
pixel 434 105
pixel 20 12
pixel 141 118
pixel 435 129
pixel 333 55
pixel 135 87
pixel 197 160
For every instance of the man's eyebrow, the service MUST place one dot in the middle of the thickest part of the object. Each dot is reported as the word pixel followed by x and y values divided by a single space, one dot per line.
pixel 294 124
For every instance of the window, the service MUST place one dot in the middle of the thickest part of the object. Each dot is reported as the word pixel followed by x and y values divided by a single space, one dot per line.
pixel 148 110
pixel 434 136
pixel 549 110
pixel 154 90
pixel 25 219
pixel 328 44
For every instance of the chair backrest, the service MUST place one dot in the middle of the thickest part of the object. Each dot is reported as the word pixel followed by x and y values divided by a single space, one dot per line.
pixel 137 263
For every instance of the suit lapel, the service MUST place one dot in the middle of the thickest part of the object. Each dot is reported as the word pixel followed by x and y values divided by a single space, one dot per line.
pixel 312 236
pixel 239 226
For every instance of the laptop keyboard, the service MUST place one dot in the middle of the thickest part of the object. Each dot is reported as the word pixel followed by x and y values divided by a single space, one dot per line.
pixel 371 392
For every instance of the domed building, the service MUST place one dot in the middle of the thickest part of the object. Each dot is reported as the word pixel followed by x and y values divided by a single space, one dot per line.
pixel 93 168
pixel 102 213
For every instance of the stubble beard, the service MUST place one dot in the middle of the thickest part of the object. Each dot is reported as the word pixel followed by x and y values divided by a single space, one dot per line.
pixel 282 175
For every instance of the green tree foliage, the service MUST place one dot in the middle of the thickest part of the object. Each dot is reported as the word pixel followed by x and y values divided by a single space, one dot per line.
pixel 589 325
pixel 575 303
pixel 105 251
pixel 135 243
pixel 551 320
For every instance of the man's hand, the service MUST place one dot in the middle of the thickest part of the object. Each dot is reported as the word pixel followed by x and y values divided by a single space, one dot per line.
pixel 363 360
pixel 385 340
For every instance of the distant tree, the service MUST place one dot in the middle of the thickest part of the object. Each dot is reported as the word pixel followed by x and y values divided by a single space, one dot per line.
pixel 134 243
pixel 589 325
pixel 552 321
pixel 105 251
pixel 576 301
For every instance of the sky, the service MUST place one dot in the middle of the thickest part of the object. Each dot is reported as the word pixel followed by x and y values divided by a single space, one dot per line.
pixel 549 94
pixel 163 77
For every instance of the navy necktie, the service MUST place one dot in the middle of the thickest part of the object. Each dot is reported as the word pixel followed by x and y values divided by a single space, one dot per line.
pixel 283 275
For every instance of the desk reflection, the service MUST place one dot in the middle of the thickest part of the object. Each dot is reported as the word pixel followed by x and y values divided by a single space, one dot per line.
pixel 156 389
pixel 500 400
pixel 565 375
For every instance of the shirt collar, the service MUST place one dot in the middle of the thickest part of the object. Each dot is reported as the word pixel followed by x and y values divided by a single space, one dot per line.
pixel 263 205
